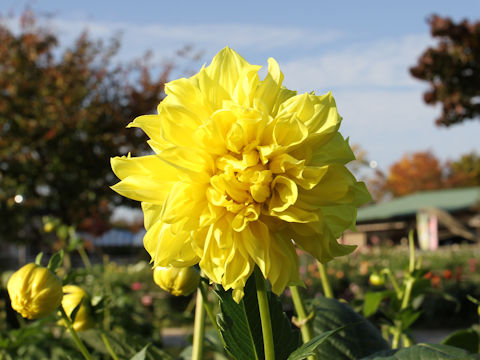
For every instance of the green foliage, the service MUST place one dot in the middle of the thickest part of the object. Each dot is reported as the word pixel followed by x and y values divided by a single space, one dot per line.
pixel 241 327
pixel 63 113
pixel 424 352
pixel 309 348
pixel 467 339
pixel 352 342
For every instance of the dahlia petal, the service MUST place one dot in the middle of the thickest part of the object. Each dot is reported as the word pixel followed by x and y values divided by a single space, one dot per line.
pixel 150 124
pixel 295 214
pixel 336 151
pixel 246 85
pixel 185 201
pixel 169 247
pixel 189 160
pixel 151 214
pixel 270 87
pixel 284 270
pixel 226 68
pixel 284 194
pixel 186 96
pixel 256 240
pixel 143 188
pixel 177 128
pixel 238 268
pixel 148 166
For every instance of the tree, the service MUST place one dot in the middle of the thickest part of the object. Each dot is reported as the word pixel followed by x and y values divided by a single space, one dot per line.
pixel 63 113
pixel 465 171
pixel 416 172
pixel 452 69
pixel 422 171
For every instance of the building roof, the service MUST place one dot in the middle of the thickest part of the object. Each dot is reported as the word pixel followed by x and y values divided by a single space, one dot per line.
pixel 447 199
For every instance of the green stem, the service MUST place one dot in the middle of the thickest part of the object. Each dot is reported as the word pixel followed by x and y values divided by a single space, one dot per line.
pixel 76 339
pixel 327 289
pixel 405 303
pixel 397 289
pixel 109 347
pixel 302 316
pixel 209 311
pixel 198 328
pixel 264 315
pixel 84 257
pixel 411 246
pixel 108 293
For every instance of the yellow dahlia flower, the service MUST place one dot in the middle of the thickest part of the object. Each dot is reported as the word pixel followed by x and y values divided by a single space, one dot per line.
pixel 34 291
pixel 73 294
pixel 244 169
pixel 177 280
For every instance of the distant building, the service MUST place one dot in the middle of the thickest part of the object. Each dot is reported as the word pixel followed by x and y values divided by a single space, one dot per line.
pixel 440 217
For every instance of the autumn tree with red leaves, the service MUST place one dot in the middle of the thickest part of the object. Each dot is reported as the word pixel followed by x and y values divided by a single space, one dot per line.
pixel 63 113
pixel 452 69
pixel 416 172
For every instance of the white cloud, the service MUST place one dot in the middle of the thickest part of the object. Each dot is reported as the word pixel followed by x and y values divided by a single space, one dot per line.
pixel 389 124
pixel 381 63
pixel 163 40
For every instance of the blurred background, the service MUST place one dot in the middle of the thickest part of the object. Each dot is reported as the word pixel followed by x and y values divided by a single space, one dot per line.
pixel 405 76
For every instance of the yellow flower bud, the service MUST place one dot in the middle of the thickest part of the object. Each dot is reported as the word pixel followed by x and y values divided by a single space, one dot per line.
pixel 177 281
pixel 376 279
pixel 72 295
pixel 34 291
pixel 48 227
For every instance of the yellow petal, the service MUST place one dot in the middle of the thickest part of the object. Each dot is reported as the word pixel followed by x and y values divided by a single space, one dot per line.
pixel 284 194
pixel 270 87
pixel 226 68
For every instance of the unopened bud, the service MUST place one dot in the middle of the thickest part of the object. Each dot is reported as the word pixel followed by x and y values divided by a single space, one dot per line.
pixel 34 291
pixel 177 281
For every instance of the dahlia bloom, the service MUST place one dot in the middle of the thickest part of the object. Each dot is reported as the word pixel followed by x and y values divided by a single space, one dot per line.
pixel 243 171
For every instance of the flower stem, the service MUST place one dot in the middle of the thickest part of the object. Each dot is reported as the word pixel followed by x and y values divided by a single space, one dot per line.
pixel 84 257
pixel 198 328
pixel 109 347
pixel 209 311
pixel 327 289
pixel 264 315
pixel 76 339
pixel 302 317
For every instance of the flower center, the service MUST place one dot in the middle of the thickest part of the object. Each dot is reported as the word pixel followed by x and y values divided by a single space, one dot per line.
pixel 241 185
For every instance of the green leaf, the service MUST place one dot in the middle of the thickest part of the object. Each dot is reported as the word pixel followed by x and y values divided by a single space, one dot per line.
pixel 408 317
pixel 424 352
pixel 241 326
pixel 55 261
pixel 38 258
pixel 353 342
pixel 141 355
pixel 373 300
pixel 308 349
pixel 467 339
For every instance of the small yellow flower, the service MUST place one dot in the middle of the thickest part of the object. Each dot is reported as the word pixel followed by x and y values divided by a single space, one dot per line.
pixel 72 296
pixel 177 281
pixel 34 291
pixel 48 227
pixel 244 170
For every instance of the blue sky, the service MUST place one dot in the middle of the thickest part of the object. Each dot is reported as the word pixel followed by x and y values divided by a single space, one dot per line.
pixel 360 50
